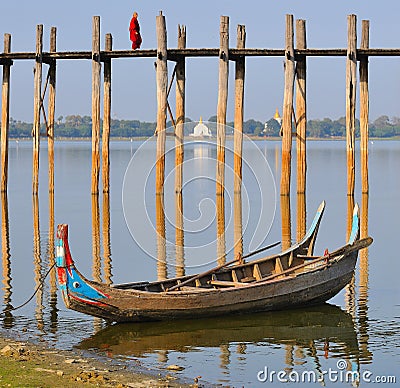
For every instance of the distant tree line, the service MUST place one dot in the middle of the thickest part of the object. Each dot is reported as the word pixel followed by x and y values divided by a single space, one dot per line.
pixel 75 126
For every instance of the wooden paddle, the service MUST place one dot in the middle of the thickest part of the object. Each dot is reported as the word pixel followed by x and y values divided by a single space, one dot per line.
pixel 212 270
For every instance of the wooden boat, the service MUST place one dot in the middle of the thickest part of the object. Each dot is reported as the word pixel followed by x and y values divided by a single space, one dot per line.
pixel 288 279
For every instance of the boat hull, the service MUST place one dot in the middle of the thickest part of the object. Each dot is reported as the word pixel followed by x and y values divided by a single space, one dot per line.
pixel 290 279
pixel 309 288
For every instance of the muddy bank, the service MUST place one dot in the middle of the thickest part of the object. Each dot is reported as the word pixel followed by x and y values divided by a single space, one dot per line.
pixel 24 364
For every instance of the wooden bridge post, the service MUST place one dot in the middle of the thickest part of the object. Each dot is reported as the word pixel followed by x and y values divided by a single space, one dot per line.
pixel 287 107
pixel 107 118
pixel 301 107
pixel 239 99
pixel 301 128
pixel 179 153
pixel 364 107
pixel 5 115
pixel 222 102
pixel 180 110
pixel 52 108
pixel 237 224
pixel 351 81
pixel 96 69
pixel 162 83
pixel 286 223
pixel 36 108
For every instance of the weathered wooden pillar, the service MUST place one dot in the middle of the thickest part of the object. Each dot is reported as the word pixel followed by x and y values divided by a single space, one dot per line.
pixel 350 209
pixel 239 100
pixel 5 114
pixel 52 108
pixel 286 222
pixel 96 69
pixel 287 107
pixel 180 110
pixel 107 118
pixel 50 152
pixel 162 83
pixel 364 107
pixel 237 225
pixel 179 153
pixel 301 106
pixel 301 216
pixel 221 240
pixel 37 96
pixel 222 102
pixel 351 81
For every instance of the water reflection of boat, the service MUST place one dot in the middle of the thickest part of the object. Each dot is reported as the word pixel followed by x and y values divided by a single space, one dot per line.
pixel 289 279
pixel 300 327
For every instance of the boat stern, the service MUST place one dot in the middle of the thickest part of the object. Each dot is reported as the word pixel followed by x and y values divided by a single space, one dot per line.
pixel 78 292
pixel 61 261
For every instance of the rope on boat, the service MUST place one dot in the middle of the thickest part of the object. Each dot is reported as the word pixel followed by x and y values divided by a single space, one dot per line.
pixel 11 308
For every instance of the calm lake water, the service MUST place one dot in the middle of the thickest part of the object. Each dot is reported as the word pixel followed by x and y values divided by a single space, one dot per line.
pixel 359 330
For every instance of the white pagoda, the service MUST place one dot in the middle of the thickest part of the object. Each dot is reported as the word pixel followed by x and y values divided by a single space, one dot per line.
pixel 201 130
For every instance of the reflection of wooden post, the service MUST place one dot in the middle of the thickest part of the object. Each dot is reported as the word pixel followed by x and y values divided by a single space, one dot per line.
pixel 96 269
pixel 221 245
pixel 350 288
pixel 162 81
pixel 363 283
pixel 5 115
pixel 180 110
pixel 287 107
pixel 5 250
pixel 106 239
pixel 37 96
pixel 222 101
pixel 52 108
pixel 96 68
pixel 301 107
pixel 224 356
pixel 161 245
pixel 239 98
pixel 237 225
pixel 364 107
pixel 351 80
pixel 37 261
pixel 289 360
pixel 107 118
pixel 179 235
pixel 350 297
pixel 51 258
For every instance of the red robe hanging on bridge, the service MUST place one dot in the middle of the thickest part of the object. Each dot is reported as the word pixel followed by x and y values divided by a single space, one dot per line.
pixel 134 30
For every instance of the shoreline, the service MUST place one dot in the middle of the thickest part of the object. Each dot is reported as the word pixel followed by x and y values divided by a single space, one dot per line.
pixel 228 137
pixel 39 365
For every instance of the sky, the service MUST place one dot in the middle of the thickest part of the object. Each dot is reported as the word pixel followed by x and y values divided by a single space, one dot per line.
pixel 133 79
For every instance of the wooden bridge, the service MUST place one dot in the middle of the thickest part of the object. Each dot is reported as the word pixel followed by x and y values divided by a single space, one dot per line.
pixel 294 114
